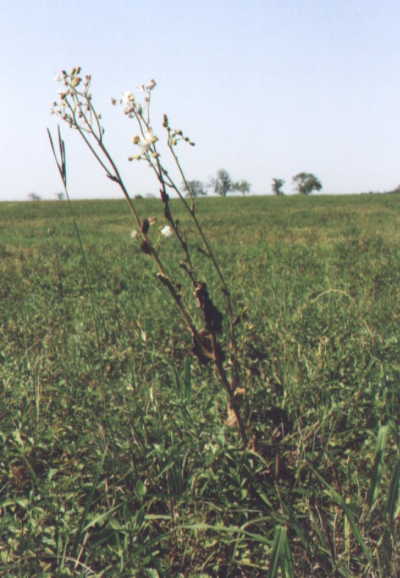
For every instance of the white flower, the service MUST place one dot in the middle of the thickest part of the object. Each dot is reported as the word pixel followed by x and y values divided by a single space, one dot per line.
pixel 147 140
pixel 128 98
pixel 167 231
pixel 134 234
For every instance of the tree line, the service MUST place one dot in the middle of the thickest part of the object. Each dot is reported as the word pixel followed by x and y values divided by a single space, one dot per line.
pixel 222 184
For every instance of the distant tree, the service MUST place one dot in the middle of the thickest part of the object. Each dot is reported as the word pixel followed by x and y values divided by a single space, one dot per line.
pixel 60 196
pixel 34 197
pixel 306 183
pixel 194 189
pixel 241 186
pixel 222 184
pixel 277 185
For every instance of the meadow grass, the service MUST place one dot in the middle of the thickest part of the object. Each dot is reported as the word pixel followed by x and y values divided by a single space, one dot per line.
pixel 114 457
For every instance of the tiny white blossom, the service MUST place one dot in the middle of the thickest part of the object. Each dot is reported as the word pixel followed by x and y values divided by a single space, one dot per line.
pixel 148 139
pixel 167 231
pixel 127 98
pixel 134 234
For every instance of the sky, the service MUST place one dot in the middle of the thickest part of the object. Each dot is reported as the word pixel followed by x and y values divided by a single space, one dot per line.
pixel 265 88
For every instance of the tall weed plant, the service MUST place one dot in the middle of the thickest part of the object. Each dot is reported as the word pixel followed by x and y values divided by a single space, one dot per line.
pixel 213 331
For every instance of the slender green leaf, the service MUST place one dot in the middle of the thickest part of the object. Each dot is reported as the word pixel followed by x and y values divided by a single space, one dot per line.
pixel 393 505
pixel 100 518
pixel 378 464
pixel 281 556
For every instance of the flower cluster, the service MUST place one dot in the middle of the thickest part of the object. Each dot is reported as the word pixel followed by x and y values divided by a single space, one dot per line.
pixel 177 135
pixel 74 100
pixel 174 135
pixel 131 107
pixel 141 113
pixel 145 142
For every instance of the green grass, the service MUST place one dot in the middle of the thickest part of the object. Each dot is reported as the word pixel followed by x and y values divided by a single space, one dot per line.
pixel 114 457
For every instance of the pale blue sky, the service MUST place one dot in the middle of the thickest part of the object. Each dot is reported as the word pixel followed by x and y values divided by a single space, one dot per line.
pixel 266 88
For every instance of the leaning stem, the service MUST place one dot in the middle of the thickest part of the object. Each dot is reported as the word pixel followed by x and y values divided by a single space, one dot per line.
pixel 199 228
pixel 214 261
pixel 230 390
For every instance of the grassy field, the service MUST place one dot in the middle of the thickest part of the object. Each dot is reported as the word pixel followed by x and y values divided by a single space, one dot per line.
pixel 114 456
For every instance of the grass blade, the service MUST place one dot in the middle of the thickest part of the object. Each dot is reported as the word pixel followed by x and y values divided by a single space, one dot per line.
pixel 378 464
pixel 393 505
pixel 281 555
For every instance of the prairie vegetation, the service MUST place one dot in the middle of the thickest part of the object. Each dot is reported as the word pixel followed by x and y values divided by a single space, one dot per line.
pixel 114 456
